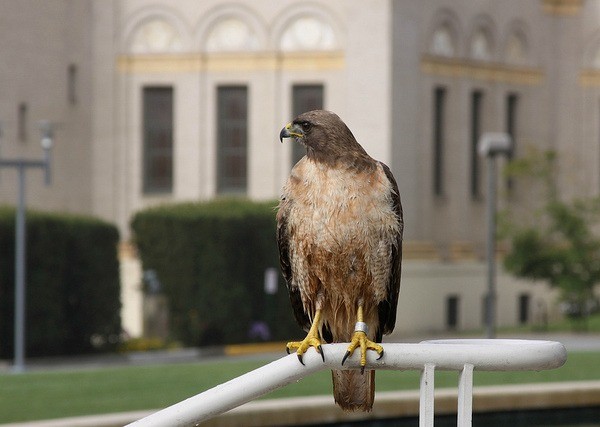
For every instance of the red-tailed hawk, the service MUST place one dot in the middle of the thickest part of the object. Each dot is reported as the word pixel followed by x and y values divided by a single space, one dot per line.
pixel 339 232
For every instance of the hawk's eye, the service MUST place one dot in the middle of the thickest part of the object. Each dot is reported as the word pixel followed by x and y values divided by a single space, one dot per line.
pixel 305 126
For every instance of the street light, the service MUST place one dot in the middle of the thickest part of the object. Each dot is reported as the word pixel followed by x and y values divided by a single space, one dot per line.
pixel 47 129
pixel 490 145
pixel 21 165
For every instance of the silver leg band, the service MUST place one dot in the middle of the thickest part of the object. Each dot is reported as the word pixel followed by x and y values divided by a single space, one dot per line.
pixel 361 327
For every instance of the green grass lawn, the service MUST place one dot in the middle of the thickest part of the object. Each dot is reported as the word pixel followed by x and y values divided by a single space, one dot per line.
pixel 53 394
pixel 591 324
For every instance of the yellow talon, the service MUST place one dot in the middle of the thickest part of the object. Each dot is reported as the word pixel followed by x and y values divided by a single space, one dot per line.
pixel 359 338
pixel 303 346
pixel 312 340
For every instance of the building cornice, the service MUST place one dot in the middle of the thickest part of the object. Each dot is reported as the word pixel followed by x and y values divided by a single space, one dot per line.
pixel 492 72
pixel 562 7
pixel 219 62
pixel 590 78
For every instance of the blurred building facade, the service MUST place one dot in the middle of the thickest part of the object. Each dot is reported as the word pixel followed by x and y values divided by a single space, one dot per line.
pixel 164 101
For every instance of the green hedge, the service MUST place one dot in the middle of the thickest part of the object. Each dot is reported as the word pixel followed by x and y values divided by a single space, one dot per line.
pixel 210 259
pixel 73 289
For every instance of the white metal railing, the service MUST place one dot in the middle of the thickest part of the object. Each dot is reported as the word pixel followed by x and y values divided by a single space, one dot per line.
pixel 463 356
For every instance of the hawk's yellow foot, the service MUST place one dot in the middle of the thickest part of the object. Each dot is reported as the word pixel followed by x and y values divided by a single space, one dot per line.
pixel 312 340
pixel 359 339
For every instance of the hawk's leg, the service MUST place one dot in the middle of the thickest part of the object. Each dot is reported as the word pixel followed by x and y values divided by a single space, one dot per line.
pixel 312 340
pixel 359 339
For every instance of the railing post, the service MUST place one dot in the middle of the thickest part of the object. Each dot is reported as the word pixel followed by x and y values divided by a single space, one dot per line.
pixel 427 399
pixel 465 396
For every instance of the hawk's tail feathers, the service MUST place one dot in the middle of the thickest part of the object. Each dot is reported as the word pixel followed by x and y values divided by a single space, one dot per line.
pixel 354 391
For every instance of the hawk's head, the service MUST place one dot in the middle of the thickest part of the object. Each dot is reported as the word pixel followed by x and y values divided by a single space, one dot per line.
pixel 322 132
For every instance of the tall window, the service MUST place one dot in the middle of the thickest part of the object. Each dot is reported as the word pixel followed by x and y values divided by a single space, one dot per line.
pixel 439 105
pixel 305 98
pixel 524 304
pixel 232 139
pixel 512 102
pixel 72 84
pixel 452 311
pixel 476 110
pixel 22 122
pixel 158 140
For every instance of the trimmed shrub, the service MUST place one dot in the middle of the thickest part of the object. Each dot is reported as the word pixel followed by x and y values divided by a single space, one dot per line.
pixel 211 259
pixel 72 279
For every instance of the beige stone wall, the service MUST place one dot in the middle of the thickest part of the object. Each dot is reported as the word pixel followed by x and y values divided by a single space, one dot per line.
pixel 427 284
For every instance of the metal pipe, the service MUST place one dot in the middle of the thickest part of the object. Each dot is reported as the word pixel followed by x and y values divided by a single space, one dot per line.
pixel 20 241
pixel 465 397
pixel 487 355
pixel 491 249
pixel 426 396
pixel 490 145
pixel 20 283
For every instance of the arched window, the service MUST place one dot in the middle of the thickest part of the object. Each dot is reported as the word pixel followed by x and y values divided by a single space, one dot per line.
pixel 515 48
pixel 442 42
pixel 308 33
pixel 155 35
pixel 231 34
pixel 481 45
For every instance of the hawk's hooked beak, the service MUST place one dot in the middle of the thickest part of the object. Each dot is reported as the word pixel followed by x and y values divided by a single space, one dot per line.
pixel 291 130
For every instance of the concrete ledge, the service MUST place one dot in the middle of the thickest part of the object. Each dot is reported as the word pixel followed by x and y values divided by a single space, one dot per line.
pixel 321 409
pixel 537 396
pixel 106 420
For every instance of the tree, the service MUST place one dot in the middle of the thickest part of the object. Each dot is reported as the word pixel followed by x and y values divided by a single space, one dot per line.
pixel 557 242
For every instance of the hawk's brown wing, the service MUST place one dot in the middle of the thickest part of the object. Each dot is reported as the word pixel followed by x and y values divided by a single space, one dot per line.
pixel 387 307
pixel 283 243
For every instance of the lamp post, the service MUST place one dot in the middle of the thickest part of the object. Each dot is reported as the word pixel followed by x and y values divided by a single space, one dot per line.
pixel 489 146
pixel 22 165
